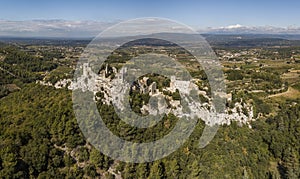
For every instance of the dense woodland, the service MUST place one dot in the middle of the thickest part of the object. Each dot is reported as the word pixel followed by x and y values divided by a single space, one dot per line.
pixel 40 137
pixel 37 121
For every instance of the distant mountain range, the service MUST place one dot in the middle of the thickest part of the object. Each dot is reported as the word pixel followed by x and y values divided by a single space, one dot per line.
pixel 64 32
pixel 240 29
pixel 215 40
pixel 83 29
pixel 252 40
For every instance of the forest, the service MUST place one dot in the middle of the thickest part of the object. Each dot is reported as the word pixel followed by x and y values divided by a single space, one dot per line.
pixel 40 138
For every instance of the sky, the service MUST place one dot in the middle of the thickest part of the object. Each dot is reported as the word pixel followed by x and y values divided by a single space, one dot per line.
pixel 196 13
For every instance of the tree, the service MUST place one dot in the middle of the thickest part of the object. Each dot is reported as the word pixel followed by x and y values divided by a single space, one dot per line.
pixel 9 163
pixel 195 169
pixel 129 171
pixel 157 170
pixel 97 158
pixel 36 155
pixel 68 160
pixel 142 170
pixel 90 170
pixel 291 165
pixel 174 169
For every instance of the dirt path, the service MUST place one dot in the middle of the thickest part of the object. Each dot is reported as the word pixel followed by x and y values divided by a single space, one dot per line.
pixel 290 93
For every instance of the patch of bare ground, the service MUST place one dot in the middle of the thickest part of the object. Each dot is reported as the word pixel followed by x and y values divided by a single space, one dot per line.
pixel 290 93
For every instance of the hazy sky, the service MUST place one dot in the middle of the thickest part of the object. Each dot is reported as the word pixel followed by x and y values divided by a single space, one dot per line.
pixel 199 13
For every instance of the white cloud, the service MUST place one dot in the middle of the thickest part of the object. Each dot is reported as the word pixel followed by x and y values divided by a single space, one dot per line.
pixel 241 29
pixel 52 28
pixel 236 26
